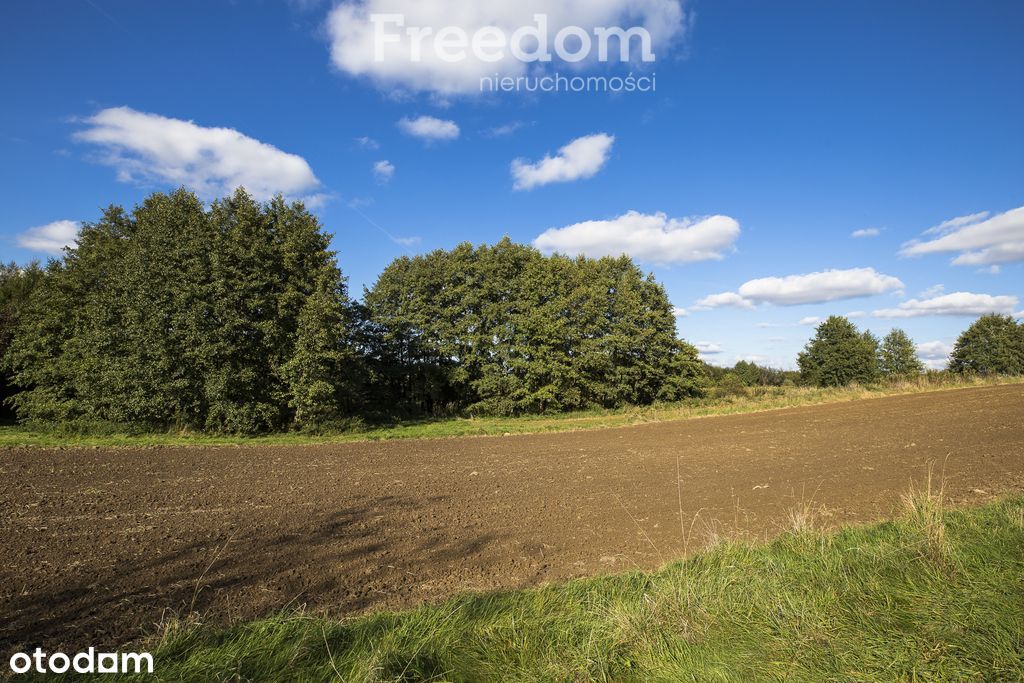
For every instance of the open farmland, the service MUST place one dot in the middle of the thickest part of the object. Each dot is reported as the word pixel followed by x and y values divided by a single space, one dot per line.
pixel 101 545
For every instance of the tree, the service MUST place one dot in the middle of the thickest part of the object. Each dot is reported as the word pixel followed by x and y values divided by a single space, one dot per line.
pixel 503 329
pixel 897 356
pixel 839 354
pixel 16 286
pixel 176 315
pixel 992 345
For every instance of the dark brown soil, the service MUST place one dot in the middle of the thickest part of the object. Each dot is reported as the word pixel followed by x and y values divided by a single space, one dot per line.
pixel 101 545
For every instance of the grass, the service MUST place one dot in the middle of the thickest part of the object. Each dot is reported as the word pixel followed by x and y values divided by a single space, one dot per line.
pixel 754 399
pixel 933 595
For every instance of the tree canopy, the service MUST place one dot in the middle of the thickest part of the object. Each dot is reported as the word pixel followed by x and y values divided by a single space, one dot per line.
pixel 897 356
pixel 179 315
pixel 503 329
pixel 992 345
pixel 838 355
pixel 234 318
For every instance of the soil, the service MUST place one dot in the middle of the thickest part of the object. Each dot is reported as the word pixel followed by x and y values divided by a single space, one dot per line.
pixel 101 545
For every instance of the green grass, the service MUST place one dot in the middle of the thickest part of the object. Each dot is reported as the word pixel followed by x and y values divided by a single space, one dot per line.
pixel 755 399
pixel 934 595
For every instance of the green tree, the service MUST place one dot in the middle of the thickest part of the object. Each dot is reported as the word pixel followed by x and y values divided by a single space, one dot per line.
pixel 176 315
pixel 897 356
pixel 503 329
pixel 839 354
pixel 992 345
pixel 16 286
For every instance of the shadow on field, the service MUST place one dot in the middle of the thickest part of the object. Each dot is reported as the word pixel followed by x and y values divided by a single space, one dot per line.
pixel 352 554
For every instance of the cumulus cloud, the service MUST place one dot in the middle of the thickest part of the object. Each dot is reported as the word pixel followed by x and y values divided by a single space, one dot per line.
pixel 680 312
pixel 980 239
pixel 727 299
pixel 406 63
pixel 146 148
pixel 708 348
pixel 653 238
pixel 384 170
pixel 866 232
pixel 957 303
pixel 50 238
pixel 367 142
pixel 813 288
pixel 810 320
pixel 429 128
pixel 581 158
pixel 829 285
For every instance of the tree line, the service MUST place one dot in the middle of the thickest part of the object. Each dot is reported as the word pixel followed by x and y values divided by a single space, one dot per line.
pixel 236 318
pixel 840 354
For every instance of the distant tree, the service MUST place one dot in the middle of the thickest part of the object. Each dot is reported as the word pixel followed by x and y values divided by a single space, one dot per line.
pixel 839 354
pixel 749 373
pixel 897 356
pixel 752 374
pixel 992 345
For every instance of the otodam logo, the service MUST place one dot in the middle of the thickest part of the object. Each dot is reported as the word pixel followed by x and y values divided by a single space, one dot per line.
pixel 88 662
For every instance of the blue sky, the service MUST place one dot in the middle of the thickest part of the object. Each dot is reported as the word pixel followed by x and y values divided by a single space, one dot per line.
pixel 775 132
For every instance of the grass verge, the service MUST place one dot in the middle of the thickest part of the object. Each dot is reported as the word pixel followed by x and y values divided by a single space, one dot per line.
pixel 752 400
pixel 933 595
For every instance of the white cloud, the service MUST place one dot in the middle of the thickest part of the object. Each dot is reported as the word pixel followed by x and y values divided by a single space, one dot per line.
pixel 980 240
pixel 866 232
pixel 430 128
pixel 212 161
pixel 581 158
pixel 813 288
pixel 955 223
pixel 856 314
pixel 384 170
pixel 680 312
pixel 932 291
pixel 957 303
pixel 934 354
pixel 708 348
pixel 810 320
pixel 731 299
pixel 50 238
pixel 367 142
pixel 353 36
pixel 653 238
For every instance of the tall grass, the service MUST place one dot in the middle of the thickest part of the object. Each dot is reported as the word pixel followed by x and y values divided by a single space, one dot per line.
pixel 935 594
pixel 743 400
